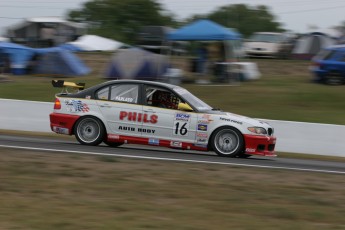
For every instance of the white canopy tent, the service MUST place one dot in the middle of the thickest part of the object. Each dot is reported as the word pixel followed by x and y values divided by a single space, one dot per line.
pixel 96 43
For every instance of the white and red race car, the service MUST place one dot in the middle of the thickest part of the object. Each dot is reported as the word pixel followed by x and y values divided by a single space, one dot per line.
pixel 151 113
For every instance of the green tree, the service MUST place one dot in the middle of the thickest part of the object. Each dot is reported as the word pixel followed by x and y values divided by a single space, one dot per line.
pixel 121 19
pixel 245 19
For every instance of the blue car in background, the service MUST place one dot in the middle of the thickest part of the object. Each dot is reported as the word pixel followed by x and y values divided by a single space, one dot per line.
pixel 329 65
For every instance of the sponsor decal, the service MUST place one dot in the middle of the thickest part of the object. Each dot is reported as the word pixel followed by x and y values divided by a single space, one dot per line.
pixel 133 129
pixel 202 135
pixel 203 121
pixel 206 117
pixel 113 137
pixel 60 130
pixel 138 117
pixel 182 117
pixel 230 120
pixel 125 99
pixel 250 150
pixel 200 145
pixel 176 144
pixel 146 130
pixel 88 97
pixel 201 140
pixel 75 106
pixel 126 128
pixel 202 127
pixel 153 141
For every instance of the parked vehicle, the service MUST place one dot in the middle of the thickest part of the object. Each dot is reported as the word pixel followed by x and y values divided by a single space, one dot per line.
pixel 329 65
pixel 268 44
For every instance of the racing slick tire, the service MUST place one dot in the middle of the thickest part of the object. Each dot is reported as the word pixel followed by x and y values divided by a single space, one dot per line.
pixel 227 142
pixel 113 144
pixel 89 131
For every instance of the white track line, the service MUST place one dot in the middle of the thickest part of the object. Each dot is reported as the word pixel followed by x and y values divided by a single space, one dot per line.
pixel 172 159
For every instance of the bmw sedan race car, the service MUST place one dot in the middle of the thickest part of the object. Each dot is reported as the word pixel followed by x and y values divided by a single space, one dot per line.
pixel 151 113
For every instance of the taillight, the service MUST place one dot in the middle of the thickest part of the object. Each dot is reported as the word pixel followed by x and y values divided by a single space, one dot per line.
pixel 57 104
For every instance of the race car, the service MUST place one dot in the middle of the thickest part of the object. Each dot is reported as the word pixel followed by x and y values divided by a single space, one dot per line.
pixel 158 114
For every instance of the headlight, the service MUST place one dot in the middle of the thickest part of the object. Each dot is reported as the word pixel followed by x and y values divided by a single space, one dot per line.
pixel 257 130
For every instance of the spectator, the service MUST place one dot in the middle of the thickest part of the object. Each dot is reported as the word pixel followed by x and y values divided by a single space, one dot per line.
pixel 202 61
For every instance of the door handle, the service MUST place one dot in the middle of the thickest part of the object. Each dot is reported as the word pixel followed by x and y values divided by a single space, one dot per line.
pixel 149 111
pixel 105 106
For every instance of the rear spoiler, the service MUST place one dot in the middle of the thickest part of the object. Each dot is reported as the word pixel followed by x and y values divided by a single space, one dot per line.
pixel 65 84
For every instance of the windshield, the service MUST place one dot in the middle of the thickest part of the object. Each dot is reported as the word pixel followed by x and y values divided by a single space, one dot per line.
pixel 192 100
pixel 323 55
pixel 272 38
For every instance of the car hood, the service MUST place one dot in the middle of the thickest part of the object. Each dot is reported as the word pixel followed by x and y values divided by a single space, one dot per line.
pixel 239 119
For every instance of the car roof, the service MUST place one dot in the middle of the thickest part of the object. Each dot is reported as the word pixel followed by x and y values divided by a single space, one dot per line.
pixel 336 47
pixel 162 84
pixel 87 91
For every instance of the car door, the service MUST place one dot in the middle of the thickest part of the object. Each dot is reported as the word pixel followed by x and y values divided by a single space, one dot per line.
pixel 119 105
pixel 169 123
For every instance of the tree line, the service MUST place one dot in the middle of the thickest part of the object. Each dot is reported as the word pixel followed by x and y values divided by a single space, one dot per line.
pixel 121 19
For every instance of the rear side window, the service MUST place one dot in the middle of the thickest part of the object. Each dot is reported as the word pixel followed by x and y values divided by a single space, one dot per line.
pixel 119 92
pixel 124 93
pixel 103 93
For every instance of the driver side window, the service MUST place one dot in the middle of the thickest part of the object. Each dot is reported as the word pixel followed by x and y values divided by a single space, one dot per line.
pixel 161 98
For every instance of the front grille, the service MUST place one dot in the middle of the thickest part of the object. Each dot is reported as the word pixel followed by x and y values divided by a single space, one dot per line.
pixel 270 131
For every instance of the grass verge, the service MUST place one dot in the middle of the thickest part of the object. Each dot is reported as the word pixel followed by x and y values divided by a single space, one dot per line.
pixel 284 92
pixel 71 191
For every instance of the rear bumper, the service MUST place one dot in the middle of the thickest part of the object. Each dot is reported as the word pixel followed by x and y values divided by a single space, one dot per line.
pixel 260 145
pixel 62 123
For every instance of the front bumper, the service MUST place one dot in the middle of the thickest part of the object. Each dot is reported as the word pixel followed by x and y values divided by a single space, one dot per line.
pixel 62 123
pixel 260 145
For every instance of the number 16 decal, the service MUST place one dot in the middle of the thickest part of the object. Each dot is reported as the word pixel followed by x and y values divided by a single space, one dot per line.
pixel 180 128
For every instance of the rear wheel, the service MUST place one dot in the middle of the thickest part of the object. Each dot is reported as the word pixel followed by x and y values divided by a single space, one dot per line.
pixel 227 141
pixel 89 131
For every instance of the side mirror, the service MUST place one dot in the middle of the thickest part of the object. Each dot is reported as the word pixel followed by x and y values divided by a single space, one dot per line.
pixel 184 107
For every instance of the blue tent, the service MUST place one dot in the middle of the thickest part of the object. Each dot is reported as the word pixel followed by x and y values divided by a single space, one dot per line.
pixel 135 63
pixel 59 61
pixel 52 60
pixel 19 56
pixel 203 30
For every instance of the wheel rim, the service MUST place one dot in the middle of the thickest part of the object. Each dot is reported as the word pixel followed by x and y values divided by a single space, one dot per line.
pixel 88 130
pixel 227 141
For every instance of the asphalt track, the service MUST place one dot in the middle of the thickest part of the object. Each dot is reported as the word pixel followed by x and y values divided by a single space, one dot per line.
pixel 157 153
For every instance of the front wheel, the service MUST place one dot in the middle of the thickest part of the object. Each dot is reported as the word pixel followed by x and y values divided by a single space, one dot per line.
pixel 227 141
pixel 89 131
